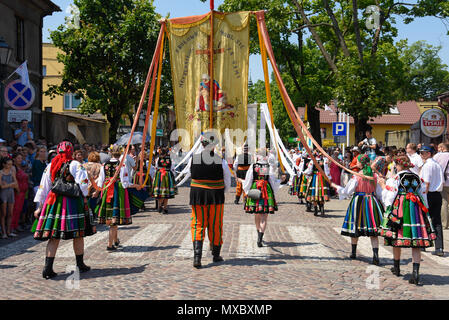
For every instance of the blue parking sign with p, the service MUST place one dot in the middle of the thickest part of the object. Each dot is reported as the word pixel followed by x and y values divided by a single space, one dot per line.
pixel 339 128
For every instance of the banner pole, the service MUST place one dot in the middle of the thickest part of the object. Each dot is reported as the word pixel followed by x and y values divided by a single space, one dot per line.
pixel 211 66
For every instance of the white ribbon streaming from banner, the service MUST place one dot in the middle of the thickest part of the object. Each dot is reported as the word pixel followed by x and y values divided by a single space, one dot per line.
pixel 276 139
pixel 187 156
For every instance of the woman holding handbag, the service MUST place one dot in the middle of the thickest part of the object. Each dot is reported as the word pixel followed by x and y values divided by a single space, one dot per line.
pixel 62 211
pixel 260 186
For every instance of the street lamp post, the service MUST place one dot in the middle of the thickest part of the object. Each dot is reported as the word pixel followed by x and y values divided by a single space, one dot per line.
pixel 5 54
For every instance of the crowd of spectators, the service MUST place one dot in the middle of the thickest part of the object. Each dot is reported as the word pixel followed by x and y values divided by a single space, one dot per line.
pixel 22 164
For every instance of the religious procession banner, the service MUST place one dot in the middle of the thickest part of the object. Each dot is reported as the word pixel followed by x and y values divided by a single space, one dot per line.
pixel 189 40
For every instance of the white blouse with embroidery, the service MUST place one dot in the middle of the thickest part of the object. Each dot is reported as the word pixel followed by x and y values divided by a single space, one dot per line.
pixel 124 176
pixel 275 183
pixel 75 169
pixel 392 189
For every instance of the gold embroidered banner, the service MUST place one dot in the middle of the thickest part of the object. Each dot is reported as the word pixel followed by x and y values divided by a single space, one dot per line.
pixel 189 40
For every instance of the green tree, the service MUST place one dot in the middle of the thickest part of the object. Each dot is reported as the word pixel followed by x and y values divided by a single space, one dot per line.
pixel 304 71
pixel 106 60
pixel 426 75
pixel 368 71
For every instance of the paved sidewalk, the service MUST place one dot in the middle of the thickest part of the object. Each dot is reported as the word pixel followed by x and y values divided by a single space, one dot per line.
pixel 304 257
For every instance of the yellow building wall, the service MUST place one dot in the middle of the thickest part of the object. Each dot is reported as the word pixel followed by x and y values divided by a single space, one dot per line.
pixel 53 77
pixel 378 131
pixel 424 106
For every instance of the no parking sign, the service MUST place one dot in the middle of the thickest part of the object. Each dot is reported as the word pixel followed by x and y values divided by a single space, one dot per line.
pixel 18 96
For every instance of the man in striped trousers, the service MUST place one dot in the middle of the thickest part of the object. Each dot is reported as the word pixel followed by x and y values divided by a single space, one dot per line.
pixel 210 179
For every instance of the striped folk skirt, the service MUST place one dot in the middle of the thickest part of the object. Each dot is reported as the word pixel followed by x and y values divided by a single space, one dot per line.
pixel 317 190
pixel 363 217
pixel 164 185
pixel 137 199
pixel 304 182
pixel 66 218
pixel 208 217
pixel 294 188
pixel 115 210
pixel 264 204
pixel 407 223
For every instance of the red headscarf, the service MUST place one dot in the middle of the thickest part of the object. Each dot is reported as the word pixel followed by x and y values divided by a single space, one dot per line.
pixel 65 152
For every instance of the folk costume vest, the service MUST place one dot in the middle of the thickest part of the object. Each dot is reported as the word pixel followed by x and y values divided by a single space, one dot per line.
pixel 207 186
pixel 244 162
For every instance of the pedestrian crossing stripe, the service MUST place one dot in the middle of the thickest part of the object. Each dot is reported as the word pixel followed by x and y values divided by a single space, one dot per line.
pixel 247 247
pixel 364 247
pixel 66 250
pixel 18 247
pixel 310 246
pixel 143 240
pixel 186 248
pixel 444 261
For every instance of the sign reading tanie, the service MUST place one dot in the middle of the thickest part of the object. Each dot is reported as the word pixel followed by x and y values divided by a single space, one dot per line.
pixel 433 123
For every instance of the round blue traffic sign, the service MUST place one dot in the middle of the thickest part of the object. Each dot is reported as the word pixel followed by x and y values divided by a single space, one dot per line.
pixel 18 96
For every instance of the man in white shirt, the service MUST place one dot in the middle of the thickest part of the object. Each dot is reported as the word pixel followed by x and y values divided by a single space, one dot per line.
pixel 129 163
pixel 414 158
pixel 369 145
pixel 442 157
pixel 432 176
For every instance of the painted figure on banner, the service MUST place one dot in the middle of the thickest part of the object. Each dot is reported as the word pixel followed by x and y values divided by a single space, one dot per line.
pixel 219 99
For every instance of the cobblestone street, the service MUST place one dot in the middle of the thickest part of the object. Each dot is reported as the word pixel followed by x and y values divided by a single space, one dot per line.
pixel 304 257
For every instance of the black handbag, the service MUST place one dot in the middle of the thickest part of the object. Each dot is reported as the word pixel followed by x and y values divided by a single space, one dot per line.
pixel 65 188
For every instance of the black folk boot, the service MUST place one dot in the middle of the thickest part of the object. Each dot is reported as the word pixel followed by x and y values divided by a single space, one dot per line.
pixel 80 263
pixel 415 275
pixel 259 239
pixel 197 252
pixel 308 206
pixel 216 253
pixel 354 251
pixel 48 272
pixel 376 256
pixel 322 208
pixel 237 199
pixel 316 211
pixel 396 270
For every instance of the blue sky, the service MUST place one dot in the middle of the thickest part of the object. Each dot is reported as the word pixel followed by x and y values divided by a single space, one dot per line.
pixel 430 29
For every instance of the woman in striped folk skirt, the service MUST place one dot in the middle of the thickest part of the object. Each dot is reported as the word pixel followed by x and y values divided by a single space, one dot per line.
pixel 407 223
pixel 296 182
pixel 304 181
pixel 258 178
pixel 137 197
pixel 60 216
pixel 317 189
pixel 365 211
pixel 164 184
pixel 114 208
